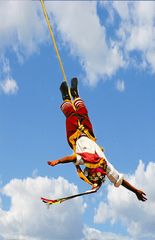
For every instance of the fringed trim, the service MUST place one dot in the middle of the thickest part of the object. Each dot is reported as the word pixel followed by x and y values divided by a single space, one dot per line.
pixel 81 175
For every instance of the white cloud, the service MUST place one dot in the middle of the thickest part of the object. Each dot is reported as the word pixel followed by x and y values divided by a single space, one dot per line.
pixel 9 86
pixel 150 56
pixel 23 29
pixel 28 217
pixel 81 31
pixel 22 32
pixel 5 65
pixel 136 30
pixel 120 85
pixel 94 234
pixel 87 38
pixel 123 206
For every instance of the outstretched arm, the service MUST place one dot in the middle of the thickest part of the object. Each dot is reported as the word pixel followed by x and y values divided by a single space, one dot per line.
pixel 140 194
pixel 67 159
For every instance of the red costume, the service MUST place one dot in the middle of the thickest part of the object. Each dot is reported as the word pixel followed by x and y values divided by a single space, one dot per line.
pixel 76 113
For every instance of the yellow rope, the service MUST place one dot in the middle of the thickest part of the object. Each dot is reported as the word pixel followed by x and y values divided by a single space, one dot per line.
pixel 54 42
pixel 79 171
pixel 81 128
pixel 53 39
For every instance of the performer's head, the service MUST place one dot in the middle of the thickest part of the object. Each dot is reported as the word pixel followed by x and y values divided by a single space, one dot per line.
pixel 95 175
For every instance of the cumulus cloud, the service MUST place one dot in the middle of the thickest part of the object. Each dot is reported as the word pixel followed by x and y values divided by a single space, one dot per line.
pixel 28 217
pixel 86 38
pixel 9 86
pixel 123 206
pixel 126 36
pixel 94 234
pixel 136 30
pixel 23 29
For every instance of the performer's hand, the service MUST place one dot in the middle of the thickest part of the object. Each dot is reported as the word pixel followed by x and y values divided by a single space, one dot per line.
pixel 53 163
pixel 141 195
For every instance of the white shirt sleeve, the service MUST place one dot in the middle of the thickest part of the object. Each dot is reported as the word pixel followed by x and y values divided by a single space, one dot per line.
pixel 113 175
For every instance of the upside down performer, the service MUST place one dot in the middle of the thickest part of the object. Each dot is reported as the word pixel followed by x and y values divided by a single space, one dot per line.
pixel 82 140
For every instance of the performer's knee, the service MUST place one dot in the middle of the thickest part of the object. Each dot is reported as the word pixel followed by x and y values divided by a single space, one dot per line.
pixel 67 108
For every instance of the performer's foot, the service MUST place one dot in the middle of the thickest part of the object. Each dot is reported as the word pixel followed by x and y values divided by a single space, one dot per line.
pixel 74 87
pixel 64 91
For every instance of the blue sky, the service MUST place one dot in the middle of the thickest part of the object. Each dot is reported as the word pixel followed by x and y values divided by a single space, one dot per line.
pixel 109 46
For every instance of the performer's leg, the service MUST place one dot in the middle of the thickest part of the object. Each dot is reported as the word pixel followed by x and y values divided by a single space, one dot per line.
pixel 69 111
pixel 80 107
